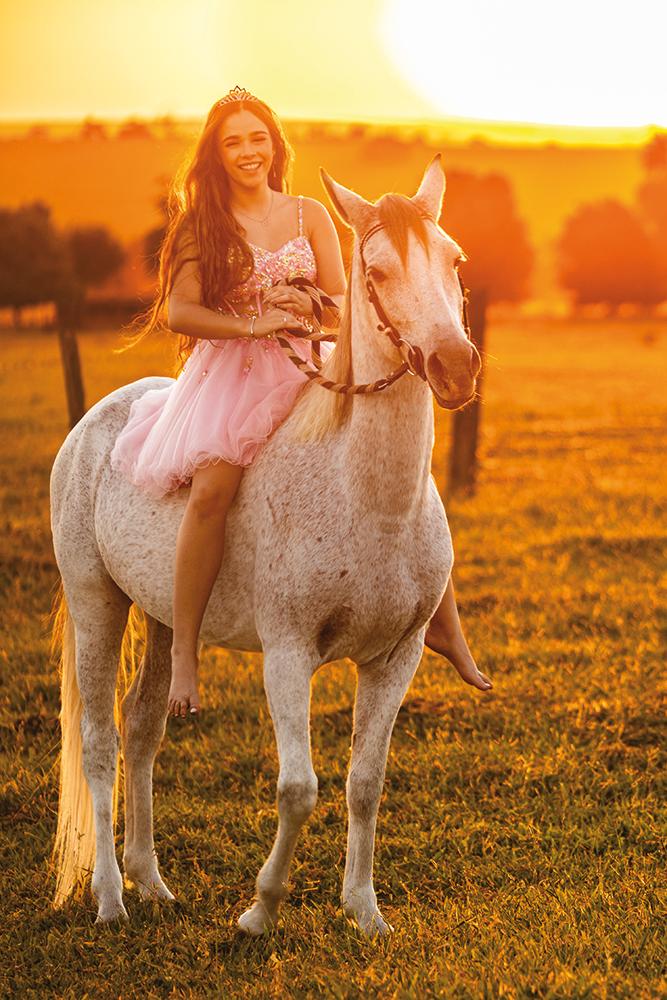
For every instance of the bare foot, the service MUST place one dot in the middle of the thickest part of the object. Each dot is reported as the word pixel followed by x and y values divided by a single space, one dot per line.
pixel 459 655
pixel 183 694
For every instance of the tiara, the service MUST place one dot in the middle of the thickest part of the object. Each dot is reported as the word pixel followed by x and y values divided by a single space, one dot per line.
pixel 237 94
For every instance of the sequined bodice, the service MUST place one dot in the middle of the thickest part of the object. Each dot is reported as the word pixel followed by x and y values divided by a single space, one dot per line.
pixel 294 258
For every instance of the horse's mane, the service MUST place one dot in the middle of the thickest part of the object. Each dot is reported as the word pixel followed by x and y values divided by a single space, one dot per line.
pixel 319 410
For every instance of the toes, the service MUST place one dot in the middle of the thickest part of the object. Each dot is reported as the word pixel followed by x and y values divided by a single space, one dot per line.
pixel 180 708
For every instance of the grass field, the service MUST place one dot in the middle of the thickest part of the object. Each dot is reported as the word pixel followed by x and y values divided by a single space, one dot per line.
pixel 521 834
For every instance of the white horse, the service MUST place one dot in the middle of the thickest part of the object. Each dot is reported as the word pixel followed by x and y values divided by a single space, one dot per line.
pixel 335 546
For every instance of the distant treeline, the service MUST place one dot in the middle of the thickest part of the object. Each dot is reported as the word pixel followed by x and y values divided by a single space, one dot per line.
pixel 608 253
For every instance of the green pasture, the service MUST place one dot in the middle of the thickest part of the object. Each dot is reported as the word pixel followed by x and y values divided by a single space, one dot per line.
pixel 521 836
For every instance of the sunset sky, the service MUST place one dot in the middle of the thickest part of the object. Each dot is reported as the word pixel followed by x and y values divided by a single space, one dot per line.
pixel 596 62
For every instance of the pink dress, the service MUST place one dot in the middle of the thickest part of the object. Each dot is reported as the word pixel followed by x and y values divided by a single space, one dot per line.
pixel 230 395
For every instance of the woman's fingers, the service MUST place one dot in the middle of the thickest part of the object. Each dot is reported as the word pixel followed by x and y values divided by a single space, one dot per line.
pixel 284 296
pixel 281 300
pixel 275 290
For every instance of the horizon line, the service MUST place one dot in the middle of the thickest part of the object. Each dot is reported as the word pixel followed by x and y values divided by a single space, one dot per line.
pixel 334 119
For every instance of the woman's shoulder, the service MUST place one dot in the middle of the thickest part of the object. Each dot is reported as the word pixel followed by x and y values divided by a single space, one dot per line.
pixel 311 204
pixel 315 214
pixel 290 199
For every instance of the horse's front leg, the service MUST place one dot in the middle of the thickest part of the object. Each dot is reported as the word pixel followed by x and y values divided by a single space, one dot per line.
pixel 381 686
pixel 287 677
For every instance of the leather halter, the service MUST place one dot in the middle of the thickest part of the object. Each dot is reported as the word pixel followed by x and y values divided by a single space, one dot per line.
pixel 413 357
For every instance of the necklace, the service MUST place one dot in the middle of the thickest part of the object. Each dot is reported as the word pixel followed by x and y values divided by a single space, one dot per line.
pixel 245 214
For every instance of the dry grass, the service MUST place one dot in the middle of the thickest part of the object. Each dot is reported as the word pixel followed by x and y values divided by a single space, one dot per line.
pixel 521 836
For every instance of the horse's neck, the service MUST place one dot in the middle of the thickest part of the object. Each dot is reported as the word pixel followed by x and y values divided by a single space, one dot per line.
pixel 390 433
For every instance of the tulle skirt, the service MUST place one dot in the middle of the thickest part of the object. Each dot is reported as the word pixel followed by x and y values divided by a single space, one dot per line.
pixel 225 403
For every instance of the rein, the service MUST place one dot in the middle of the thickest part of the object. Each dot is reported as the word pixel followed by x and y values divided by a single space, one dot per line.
pixel 413 358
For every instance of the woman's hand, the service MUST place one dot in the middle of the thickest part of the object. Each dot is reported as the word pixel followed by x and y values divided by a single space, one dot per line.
pixel 285 296
pixel 273 320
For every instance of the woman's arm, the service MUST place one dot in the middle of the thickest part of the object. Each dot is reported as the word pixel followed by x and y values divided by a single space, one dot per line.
pixel 186 314
pixel 323 237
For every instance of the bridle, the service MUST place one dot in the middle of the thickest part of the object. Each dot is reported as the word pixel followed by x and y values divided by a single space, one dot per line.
pixel 413 357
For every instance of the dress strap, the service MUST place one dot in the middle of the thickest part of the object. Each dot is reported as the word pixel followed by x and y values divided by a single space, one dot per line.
pixel 300 215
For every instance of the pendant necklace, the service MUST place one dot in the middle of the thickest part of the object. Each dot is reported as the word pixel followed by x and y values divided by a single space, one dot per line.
pixel 260 221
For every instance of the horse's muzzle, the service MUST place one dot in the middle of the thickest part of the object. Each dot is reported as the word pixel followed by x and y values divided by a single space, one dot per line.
pixel 453 386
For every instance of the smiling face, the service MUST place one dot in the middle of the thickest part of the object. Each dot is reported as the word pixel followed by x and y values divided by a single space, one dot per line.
pixel 245 149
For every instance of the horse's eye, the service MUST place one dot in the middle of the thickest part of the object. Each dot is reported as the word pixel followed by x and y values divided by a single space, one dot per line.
pixel 376 274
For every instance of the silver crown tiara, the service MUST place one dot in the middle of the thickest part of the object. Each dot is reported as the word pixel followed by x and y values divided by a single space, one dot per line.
pixel 237 94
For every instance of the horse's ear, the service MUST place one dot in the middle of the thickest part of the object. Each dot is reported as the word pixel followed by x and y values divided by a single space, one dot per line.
pixel 432 188
pixel 350 206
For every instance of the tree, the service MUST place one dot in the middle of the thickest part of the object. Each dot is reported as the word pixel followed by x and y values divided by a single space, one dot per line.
pixel 96 255
pixel 652 202
pixel 654 155
pixel 133 129
pixel 167 125
pixel 606 256
pixel 154 238
pixel 34 261
pixel 36 266
pixel 38 132
pixel 480 214
pixel 91 129
pixel 652 207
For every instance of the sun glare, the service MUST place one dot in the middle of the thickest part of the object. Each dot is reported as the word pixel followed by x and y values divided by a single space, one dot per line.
pixel 572 63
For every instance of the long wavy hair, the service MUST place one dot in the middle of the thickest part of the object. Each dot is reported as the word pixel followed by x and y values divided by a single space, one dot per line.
pixel 201 227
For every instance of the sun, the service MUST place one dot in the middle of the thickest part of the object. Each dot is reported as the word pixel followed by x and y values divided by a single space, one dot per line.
pixel 570 63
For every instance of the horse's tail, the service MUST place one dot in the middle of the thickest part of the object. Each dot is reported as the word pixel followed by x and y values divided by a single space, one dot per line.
pixel 73 855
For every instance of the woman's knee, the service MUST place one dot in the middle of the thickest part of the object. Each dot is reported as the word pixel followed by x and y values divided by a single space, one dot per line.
pixel 213 489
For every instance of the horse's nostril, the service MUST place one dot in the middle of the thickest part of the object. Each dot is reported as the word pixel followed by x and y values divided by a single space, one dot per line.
pixel 437 371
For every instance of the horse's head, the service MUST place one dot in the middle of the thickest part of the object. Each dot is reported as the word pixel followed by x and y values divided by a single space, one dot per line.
pixel 409 265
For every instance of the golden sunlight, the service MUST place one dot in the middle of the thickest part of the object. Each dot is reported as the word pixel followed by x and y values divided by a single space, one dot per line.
pixel 594 63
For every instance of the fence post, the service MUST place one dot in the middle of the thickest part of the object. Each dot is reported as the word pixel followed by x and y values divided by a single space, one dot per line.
pixel 462 477
pixel 69 308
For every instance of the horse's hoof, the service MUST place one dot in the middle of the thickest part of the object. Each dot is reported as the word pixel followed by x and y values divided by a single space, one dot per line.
pixel 360 906
pixel 377 925
pixel 114 911
pixel 372 925
pixel 148 883
pixel 154 891
pixel 255 921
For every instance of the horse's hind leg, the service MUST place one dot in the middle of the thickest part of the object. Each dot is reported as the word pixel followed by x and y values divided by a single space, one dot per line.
pixel 144 716
pixel 99 612
pixel 287 677
pixel 381 686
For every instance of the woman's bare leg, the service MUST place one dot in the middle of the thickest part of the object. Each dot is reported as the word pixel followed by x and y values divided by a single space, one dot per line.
pixel 444 635
pixel 199 549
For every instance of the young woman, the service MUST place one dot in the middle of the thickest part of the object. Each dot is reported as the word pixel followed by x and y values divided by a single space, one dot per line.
pixel 235 236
